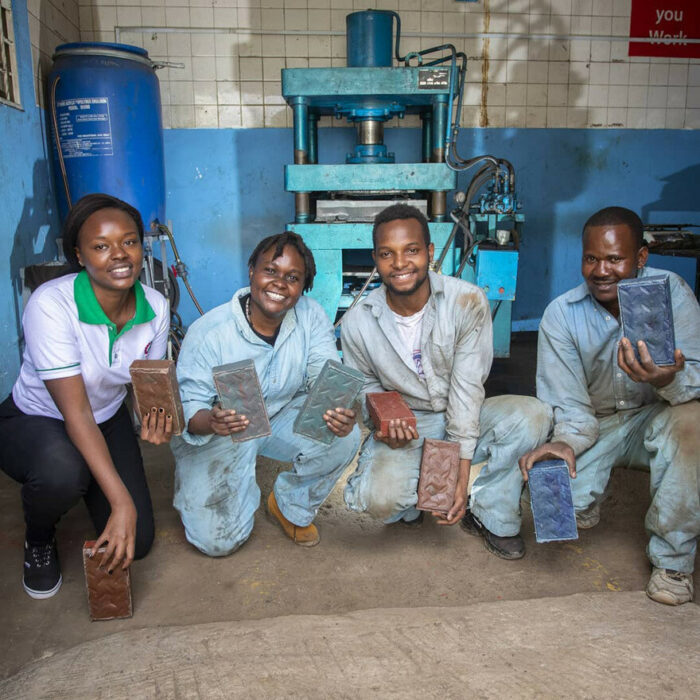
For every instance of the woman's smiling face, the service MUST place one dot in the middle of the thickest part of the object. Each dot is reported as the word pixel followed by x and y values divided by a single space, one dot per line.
pixel 277 283
pixel 110 250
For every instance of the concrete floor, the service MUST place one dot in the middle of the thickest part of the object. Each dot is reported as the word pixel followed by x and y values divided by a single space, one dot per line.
pixel 430 588
pixel 613 647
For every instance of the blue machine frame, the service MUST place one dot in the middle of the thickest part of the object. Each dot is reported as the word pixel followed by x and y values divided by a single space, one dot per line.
pixel 369 95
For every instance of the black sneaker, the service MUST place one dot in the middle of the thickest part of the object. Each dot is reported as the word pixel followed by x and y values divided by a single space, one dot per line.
pixel 415 523
pixel 42 572
pixel 504 547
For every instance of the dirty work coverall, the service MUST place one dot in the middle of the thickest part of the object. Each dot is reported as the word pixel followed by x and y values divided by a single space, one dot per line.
pixel 456 354
pixel 609 420
pixel 216 492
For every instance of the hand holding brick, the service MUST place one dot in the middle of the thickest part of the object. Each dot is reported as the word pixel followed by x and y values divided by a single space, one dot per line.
pixel 155 386
pixel 109 595
pixel 439 472
pixel 385 406
pixel 336 386
pixel 239 389
pixel 551 502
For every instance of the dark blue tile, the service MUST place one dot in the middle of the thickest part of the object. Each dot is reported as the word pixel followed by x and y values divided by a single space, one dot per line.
pixel 645 314
pixel 550 498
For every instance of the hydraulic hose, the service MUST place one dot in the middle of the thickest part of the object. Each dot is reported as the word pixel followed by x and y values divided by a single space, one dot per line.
pixel 477 181
pixel 59 150
pixel 180 266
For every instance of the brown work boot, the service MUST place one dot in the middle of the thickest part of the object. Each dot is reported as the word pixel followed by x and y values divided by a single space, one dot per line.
pixel 304 536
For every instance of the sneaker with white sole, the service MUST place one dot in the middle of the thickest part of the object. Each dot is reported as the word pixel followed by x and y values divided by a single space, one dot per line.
pixel 42 572
pixel 670 587
pixel 588 517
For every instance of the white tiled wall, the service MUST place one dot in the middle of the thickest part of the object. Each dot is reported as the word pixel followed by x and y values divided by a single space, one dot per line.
pixel 233 79
pixel 51 22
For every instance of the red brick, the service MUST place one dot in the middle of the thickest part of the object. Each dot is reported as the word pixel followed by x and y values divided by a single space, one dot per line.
pixel 155 384
pixel 439 471
pixel 109 595
pixel 388 405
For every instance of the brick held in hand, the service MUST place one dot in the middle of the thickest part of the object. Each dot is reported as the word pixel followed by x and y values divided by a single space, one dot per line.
pixel 646 314
pixel 109 595
pixel 384 406
pixel 439 471
pixel 239 389
pixel 337 386
pixel 551 501
pixel 155 384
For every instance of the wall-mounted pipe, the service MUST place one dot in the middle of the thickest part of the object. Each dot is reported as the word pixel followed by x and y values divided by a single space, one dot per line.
pixel 418 35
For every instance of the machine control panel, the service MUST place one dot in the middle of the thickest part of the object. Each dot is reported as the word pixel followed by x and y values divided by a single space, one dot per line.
pixel 496 273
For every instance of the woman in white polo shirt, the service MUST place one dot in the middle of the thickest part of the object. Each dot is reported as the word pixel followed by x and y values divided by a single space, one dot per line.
pixel 64 431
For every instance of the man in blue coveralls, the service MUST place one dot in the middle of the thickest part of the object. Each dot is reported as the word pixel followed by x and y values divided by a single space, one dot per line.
pixel 429 337
pixel 289 338
pixel 611 409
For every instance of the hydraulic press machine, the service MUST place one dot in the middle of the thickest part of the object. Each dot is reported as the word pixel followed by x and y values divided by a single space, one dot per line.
pixel 335 204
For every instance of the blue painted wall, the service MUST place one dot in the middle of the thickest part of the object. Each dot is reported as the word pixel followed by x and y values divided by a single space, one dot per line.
pixel 28 222
pixel 225 191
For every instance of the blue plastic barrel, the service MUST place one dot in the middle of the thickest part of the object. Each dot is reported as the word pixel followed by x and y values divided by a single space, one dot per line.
pixel 369 40
pixel 104 101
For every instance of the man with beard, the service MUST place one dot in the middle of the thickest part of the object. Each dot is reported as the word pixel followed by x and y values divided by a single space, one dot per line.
pixel 289 338
pixel 429 337
pixel 612 409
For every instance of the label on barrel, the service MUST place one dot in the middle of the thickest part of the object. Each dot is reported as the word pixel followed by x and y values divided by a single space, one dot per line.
pixel 84 127
pixel 433 79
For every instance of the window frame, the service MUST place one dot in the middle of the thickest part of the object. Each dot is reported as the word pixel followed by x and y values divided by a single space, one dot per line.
pixel 9 72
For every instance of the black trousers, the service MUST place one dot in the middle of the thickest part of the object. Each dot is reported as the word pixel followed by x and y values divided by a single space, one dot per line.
pixel 37 452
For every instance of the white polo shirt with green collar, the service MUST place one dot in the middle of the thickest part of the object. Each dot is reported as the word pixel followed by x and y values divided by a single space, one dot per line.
pixel 66 333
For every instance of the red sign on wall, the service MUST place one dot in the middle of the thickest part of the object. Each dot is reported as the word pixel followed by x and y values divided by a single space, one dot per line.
pixel 669 23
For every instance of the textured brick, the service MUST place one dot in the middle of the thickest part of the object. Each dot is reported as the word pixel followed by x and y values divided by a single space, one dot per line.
pixel 551 503
pixel 155 384
pixel 109 595
pixel 439 470
pixel 645 313
pixel 388 405
pixel 335 386
pixel 239 389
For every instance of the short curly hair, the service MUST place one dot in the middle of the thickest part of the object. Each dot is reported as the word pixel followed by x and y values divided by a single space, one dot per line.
pixel 400 211
pixel 81 211
pixel 279 241
pixel 618 216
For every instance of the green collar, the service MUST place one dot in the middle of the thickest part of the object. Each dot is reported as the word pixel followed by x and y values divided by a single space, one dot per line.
pixel 90 311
